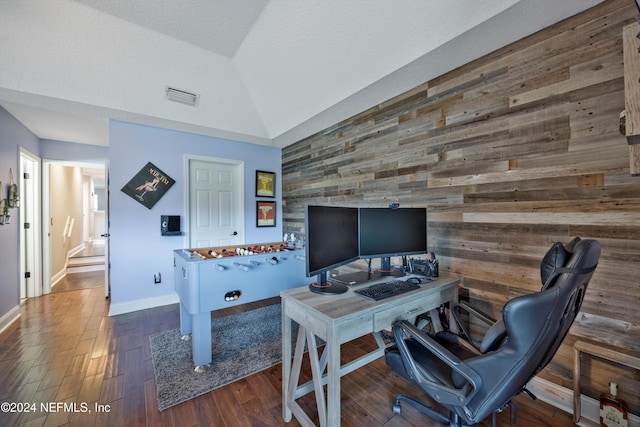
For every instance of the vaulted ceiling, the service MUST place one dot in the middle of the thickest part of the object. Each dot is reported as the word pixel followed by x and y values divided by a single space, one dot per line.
pixel 265 71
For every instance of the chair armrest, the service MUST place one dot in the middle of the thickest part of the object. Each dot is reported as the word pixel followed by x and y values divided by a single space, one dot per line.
pixel 455 314
pixel 440 392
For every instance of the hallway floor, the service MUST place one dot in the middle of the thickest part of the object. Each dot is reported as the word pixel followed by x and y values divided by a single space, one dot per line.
pixel 76 281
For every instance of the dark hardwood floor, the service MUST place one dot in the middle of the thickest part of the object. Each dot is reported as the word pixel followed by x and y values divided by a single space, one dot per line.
pixel 66 349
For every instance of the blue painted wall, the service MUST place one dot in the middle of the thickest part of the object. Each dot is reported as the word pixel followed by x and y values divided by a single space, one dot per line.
pixel 13 135
pixel 138 251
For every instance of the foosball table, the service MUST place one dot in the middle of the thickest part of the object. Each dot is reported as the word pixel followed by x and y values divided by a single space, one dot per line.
pixel 208 279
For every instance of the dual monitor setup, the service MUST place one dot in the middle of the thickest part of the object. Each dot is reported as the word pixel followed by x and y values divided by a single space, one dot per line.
pixel 340 235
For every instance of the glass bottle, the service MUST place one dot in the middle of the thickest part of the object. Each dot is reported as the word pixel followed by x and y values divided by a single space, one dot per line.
pixel 613 410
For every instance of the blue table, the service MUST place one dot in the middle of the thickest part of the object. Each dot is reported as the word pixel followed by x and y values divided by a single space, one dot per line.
pixel 205 283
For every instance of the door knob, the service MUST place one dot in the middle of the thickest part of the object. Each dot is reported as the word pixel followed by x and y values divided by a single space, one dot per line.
pixel 235 233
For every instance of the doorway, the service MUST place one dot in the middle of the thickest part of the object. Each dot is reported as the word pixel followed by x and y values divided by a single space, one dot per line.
pixel 74 208
pixel 215 202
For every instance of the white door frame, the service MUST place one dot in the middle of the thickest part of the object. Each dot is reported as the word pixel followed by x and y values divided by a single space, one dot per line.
pixel 30 248
pixel 86 207
pixel 187 190
pixel 46 228
pixel 46 215
pixel 107 246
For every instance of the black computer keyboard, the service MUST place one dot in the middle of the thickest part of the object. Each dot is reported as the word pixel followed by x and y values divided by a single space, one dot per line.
pixel 384 290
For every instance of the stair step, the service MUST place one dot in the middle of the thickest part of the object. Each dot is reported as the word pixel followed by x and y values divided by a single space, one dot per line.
pixel 85 260
pixel 85 268
pixel 85 263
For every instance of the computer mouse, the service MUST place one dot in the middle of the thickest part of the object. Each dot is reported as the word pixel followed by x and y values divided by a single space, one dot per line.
pixel 414 280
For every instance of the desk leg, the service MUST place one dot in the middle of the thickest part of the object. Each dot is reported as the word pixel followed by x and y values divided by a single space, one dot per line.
pixel 453 326
pixel 434 314
pixel 333 379
pixel 286 363
pixel 291 376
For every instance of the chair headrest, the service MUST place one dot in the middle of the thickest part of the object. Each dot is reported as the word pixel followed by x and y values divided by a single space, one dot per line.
pixel 555 258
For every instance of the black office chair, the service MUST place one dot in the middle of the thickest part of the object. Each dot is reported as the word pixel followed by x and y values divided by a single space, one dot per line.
pixel 475 381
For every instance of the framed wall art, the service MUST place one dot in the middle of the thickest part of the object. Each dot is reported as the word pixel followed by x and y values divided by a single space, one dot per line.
pixel 265 184
pixel 148 185
pixel 265 213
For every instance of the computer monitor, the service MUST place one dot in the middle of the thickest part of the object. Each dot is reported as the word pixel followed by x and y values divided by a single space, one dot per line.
pixel 387 232
pixel 332 241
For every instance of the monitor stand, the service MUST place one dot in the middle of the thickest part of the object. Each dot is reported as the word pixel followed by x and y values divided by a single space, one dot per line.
pixel 386 270
pixel 385 265
pixel 322 286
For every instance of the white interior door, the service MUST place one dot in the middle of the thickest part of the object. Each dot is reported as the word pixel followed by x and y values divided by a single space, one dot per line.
pixel 28 179
pixel 216 213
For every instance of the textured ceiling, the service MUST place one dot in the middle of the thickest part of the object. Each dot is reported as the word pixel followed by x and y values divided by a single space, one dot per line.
pixel 267 71
pixel 218 26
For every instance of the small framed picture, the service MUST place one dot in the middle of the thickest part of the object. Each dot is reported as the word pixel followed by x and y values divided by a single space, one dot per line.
pixel 265 184
pixel 265 213
pixel 148 185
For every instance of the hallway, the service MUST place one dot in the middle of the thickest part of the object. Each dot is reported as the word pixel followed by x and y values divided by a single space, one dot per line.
pixel 85 270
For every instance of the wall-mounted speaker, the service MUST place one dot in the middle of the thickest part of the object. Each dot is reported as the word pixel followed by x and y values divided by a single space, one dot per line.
pixel 170 225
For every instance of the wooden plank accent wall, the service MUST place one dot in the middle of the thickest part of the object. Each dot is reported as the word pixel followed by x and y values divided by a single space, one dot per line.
pixel 510 153
pixel 631 50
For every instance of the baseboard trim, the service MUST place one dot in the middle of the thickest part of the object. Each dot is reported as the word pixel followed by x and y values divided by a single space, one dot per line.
pixel 58 276
pixel 562 398
pixel 142 304
pixel 62 273
pixel 10 317
pixel 75 250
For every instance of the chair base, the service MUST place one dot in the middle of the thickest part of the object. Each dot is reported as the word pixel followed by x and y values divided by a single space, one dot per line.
pixel 453 420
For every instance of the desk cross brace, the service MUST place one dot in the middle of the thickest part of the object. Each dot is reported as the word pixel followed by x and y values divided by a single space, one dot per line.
pixel 318 366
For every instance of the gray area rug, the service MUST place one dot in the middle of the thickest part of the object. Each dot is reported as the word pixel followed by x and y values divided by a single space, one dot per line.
pixel 243 344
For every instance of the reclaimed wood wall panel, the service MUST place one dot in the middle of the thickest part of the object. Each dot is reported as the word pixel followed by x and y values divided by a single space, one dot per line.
pixel 631 49
pixel 510 153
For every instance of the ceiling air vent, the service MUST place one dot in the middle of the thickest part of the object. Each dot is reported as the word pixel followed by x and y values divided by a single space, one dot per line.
pixel 181 96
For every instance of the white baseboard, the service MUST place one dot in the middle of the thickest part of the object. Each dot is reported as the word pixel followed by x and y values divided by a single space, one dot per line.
pixel 58 276
pixel 142 304
pixel 11 316
pixel 63 272
pixel 562 398
pixel 75 250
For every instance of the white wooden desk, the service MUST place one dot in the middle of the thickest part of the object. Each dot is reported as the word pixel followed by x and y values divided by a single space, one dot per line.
pixel 337 319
